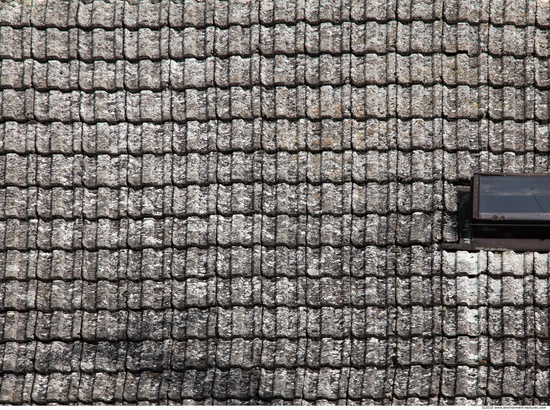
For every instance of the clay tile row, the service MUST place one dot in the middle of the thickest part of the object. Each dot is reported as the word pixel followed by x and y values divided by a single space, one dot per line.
pixel 289 71
pixel 178 14
pixel 271 136
pixel 327 38
pixel 462 102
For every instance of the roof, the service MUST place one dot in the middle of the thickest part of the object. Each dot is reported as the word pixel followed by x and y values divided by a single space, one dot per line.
pixel 210 202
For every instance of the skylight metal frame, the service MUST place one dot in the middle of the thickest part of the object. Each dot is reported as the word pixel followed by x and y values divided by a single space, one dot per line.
pixel 527 231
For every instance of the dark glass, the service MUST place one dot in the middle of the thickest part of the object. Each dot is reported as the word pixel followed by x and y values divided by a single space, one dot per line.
pixel 505 197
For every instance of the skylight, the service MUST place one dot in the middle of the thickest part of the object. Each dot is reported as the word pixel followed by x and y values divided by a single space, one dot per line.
pixel 513 197
pixel 504 211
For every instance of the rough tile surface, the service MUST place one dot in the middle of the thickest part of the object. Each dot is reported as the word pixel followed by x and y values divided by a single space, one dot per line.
pixel 239 202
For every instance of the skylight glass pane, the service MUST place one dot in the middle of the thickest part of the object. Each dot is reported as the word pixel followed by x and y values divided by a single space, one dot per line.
pixel 514 197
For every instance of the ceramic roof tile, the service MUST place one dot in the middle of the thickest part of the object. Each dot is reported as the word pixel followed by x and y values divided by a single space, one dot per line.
pixel 12 325
pixel 12 388
pixel 12 13
pixel 541 17
pixel 12 74
pixel 11 42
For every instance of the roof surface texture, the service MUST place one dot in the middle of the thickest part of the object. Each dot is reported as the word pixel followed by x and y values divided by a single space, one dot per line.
pixel 240 202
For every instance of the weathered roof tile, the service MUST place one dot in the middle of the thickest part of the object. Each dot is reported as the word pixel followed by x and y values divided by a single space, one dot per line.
pixel 541 382
pixel 15 202
pixel 149 14
pixel 12 13
pixel 460 10
pixel 149 44
pixel 542 17
pixel 11 389
pixel 16 232
pixel 14 326
pixel 58 325
pixel 14 358
pixel 11 42
pixel 103 387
